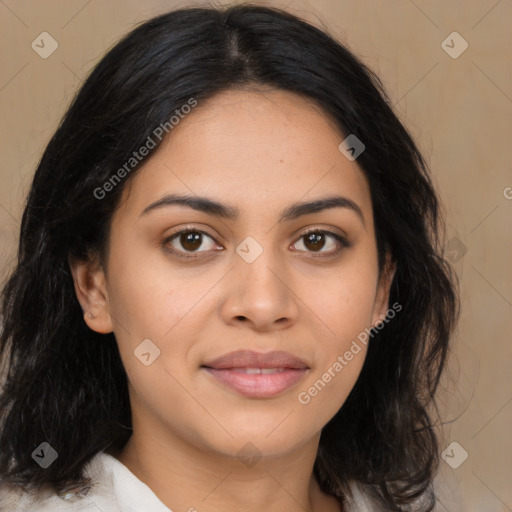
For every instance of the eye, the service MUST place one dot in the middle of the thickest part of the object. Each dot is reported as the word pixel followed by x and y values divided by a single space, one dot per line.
pixel 189 241
pixel 317 240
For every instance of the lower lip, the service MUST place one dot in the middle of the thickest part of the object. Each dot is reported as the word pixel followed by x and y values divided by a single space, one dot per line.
pixel 259 385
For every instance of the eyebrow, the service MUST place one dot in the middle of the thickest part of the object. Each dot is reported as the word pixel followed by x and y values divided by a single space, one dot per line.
pixel 292 212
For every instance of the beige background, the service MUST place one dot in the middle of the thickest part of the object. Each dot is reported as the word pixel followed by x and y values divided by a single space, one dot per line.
pixel 459 110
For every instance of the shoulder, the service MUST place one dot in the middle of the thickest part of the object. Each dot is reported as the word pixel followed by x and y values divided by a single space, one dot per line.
pixel 100 495
pixel 359 498
pixel 362 499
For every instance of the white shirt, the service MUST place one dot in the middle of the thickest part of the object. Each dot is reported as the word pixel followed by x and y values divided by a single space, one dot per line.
pixel 115 489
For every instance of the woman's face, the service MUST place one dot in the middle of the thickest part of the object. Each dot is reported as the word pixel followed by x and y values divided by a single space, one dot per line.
pixel 251 279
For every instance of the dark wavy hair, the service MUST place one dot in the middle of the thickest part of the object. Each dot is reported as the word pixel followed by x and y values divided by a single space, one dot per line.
pixel 65 384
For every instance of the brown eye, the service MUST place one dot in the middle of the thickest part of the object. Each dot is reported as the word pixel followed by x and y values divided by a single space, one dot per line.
pixel 316 241
pixel 189 241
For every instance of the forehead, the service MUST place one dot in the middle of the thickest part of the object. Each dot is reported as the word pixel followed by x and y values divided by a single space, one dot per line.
pixel 251 148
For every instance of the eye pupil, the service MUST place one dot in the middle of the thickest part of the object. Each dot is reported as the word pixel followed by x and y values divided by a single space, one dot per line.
pixel 191 240
pixel 317 241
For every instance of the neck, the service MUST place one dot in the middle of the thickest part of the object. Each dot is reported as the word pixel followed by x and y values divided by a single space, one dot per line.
pixel 185 477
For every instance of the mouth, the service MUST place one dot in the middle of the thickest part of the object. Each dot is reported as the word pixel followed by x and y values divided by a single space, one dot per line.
pixel 257 375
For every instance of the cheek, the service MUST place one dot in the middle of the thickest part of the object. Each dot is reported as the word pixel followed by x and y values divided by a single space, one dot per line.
pixel 346 311
pixel 323 396
pixel 149 302
pixel 344 302
pixel 344 305
pixel 146 300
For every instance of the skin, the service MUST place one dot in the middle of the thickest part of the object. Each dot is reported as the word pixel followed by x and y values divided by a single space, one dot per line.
pixel 259 151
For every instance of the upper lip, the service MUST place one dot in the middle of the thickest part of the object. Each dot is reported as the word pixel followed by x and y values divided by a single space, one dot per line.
pixel 250 359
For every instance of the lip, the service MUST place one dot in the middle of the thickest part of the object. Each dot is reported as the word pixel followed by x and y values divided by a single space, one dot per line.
pixel 251 359
pixel 230 370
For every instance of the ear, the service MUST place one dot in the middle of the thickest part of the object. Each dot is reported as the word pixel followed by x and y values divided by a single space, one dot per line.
pixel 381 304
pixel 92 294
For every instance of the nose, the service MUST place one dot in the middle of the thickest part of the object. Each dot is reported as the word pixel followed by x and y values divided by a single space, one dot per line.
pixel 260 294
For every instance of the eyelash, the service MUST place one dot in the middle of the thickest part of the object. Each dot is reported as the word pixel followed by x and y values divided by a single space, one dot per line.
pixel 342 241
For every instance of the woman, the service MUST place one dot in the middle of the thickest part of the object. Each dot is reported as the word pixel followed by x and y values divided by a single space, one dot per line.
pixel 230 291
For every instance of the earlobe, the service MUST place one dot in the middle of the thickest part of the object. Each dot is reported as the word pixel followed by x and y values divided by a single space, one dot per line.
pixel 91 291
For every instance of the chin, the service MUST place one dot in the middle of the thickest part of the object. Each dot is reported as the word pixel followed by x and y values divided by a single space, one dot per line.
pixel 256 442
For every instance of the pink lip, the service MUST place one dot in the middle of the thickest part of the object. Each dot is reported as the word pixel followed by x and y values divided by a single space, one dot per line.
pixel 251 359
pixel 229 370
